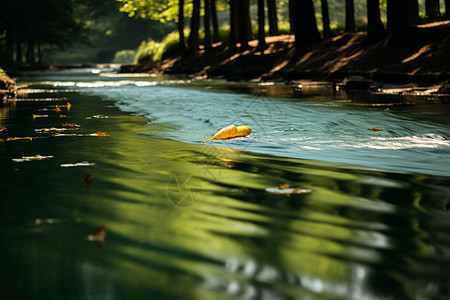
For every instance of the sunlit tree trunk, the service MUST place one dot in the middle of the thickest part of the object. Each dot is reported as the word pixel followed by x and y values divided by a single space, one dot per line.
pixel 432 9
pixel 261 33
pixel 375 28
pixel 215 23
pixel 304 23
pixel 181 25
pixel 272 17
pixel 325 19
pixel 233 25
pixel 245 30
pixel 207 24
pixel 397 16
pixel 349 16
pixel 193 40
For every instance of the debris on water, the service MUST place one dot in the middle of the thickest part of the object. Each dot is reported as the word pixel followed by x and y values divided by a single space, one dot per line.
pixel 286 189
pixel 30 158
pixel 72 125
pixel 80 164
pixel 39 116
pixel 98 236
pixel 98 133
pixel 53 129
pixel 28 138
pixel 231 132
pixel 2 129
pixel 98 117
pixel 63 116
pixel 88 178
pixel 376 129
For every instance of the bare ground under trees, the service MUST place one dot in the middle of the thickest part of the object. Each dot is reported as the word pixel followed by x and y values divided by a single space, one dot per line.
pixel 420 55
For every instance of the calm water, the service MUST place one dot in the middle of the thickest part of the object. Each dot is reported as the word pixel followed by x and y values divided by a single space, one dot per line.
pixel 190 221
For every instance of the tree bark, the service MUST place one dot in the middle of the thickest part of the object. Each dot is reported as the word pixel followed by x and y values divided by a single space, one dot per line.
pixel 325 19
pixel 207 24
pixel 432 9
pixel 180 25
pixel 397 16
pixel 413 12
pixel 245 30
pixel 272 17
pixel 304 23
pixel 261 31
pixel 215 22
pixel 233 25
pixel 193 40
pixel 349 16
pixel 375 28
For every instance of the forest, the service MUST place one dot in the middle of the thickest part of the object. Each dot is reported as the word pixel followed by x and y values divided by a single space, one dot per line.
pixel 60 31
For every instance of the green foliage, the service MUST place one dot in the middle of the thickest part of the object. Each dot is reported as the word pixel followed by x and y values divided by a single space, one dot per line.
pixel 124 56
pixel 2 72
pixel 148 51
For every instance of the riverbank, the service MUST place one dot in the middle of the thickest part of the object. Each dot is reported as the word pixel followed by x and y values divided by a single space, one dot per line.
pixel 421 56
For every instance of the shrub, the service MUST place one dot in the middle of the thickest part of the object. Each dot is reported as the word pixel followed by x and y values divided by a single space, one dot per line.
pixel 124 56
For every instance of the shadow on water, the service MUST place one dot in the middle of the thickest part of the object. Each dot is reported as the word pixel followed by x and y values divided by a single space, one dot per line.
pixel 191 221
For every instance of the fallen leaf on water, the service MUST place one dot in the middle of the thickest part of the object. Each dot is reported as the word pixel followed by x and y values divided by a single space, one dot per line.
pixel 99 133
pixel 88 178
pixel 376 129
pixel 39 116
pixel 63 116
pixel 3 128
pixel 19 138
pixel 231 132
pixel 80 164
pixel 51 129
pixel 287 190
pixel 30 158
pixel 72 125
pixel 98 236
pixel 284 186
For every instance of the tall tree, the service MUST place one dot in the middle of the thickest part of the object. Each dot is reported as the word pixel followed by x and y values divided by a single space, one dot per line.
pixel 207 23
pixel 375 27
pixel 432 9
pixel 262 45
pixel 413 12
pixel 180 25
pixel 304 23
pixel 325 19
pixel 397 16
pixel 215 22
pixel 245 29
pixel 349 16
pixel 272 17
pixel 233 37
pixel 194 40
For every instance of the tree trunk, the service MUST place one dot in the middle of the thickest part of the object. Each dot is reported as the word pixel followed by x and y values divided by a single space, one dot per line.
pixel 432 9
pixel 375 28
pixel 207 24
pixel 30 53
pixel 304 23
pixel 397 16
pixel 215 22
pixel 195 24
pixel 261 32
pixel 245 30
pixel 181 25
pixel 325 19
pixel 413 12
pixel 233 25
pixel 272 16
pixel 349 16
pixel 447 9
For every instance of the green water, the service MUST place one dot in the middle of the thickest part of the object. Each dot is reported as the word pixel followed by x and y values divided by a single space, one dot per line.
pixel 190 221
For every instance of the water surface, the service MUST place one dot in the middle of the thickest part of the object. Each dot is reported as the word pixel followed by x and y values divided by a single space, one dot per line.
pixel 191 221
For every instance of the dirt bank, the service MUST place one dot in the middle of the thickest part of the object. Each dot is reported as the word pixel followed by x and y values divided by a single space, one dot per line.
pixel 421 55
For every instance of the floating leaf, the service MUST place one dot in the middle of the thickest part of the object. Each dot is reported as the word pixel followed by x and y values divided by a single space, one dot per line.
pixel 80 164
pixel 231 132
pixel 98 236
pixel 99 133
pixel 376 129
pixel 282 190
pixel 19 138
pixel 39 116
pixel 2 129
pixel 88 178
pixel 70 125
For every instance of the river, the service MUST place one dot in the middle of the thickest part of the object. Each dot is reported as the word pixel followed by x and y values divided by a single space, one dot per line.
pixel 331 197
